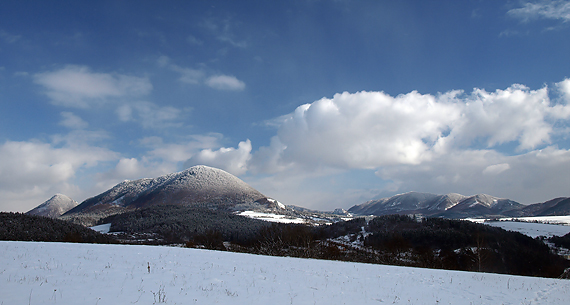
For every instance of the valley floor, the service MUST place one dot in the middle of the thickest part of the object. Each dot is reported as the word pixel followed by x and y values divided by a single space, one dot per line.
pixel 61 273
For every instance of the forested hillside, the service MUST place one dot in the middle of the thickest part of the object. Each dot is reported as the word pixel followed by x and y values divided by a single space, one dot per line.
pixel 17 226
pixel 391 239
pixel 406 241
pixel 186 224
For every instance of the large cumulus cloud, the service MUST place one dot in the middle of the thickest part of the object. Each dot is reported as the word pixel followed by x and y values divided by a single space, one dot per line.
pixel 372 129
pixel 482 141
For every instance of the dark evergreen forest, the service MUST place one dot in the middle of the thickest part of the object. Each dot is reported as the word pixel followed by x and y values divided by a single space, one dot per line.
pixel 18 226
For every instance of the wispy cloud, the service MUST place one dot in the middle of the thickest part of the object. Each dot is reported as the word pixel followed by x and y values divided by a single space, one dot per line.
pixel 72 121
pixel 193 40
pixel 78 87
pixel 543 9
pixel 188 75
pixel 8 37
pixel 223 30
pixel 225 82
pixel 149 115
pixel 182 150
pixel 200 76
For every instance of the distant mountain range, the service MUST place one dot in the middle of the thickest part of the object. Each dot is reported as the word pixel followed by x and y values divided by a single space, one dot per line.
pixel 459 206
pixel 211 187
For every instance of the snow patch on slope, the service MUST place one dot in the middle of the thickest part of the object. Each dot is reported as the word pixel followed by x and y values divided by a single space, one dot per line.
pixel 104 228
pixel 271 217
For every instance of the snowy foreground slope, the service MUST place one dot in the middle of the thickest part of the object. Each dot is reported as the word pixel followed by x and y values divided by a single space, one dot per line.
pixel 59 273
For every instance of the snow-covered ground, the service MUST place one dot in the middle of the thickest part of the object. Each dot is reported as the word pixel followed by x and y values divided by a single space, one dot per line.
pixel 563 220
pixel 271 217
pixel 532 229
pixel 104 228
pixel 60 273
pixel 548 225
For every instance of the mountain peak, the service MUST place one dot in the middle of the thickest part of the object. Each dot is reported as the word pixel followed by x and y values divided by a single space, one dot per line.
pixel 54 207
pixel 199 184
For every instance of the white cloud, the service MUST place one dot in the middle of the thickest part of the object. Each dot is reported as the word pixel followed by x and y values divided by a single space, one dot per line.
pixel 531 177
pixel 225 82
pixel 178 152
pixel 542 9
pixel 72 121
pixel 496 169
pixel 229 159
pixel 515 114
pixel 562 109
pixel 200 76
pixel 37 170
pixel 163 61
pixel 130 169
pixel 149 115
pixel 268 159
pixel 161 159
pixel 451 142
pixel 363 130
pixel 77 86
pixel 372 129
pixel 188 75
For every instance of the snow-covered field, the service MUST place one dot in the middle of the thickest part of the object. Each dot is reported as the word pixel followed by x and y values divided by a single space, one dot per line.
pixel 548 225
pixel 60 273
pixel 563 220
pixel 271 217
pixel 532 229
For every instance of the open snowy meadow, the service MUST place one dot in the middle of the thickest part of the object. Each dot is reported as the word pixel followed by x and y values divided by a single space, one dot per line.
pixel 532 226
pixel 62 273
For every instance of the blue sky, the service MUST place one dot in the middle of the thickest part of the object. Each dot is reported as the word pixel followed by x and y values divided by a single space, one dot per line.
pixel 320 104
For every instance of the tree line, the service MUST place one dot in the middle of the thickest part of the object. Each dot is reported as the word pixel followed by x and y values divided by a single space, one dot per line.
pixel 390 239
pixel 18 226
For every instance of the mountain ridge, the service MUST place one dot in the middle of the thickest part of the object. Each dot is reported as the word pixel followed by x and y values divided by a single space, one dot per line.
pixel 455 205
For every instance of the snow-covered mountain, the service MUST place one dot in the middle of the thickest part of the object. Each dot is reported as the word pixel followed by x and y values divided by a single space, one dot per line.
pixel 54 207
pixel 450 205
pixel 555 207
pixel 196 185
